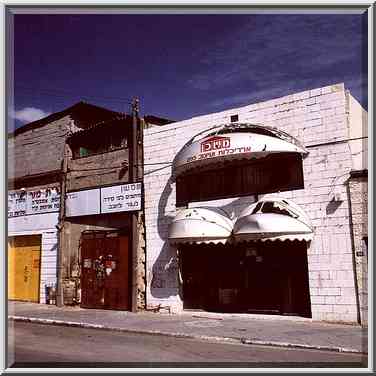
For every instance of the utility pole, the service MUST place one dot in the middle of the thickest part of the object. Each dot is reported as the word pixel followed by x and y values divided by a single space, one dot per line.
pixel 59 287
pixel 134 218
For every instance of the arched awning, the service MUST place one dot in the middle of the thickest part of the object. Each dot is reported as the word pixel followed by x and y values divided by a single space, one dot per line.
pixel 234 141
pixel 200 225
pixel 273 219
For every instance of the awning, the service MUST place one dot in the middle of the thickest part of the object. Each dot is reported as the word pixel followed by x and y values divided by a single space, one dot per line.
pixel 200 225
pixel 235 141
pixel 273 219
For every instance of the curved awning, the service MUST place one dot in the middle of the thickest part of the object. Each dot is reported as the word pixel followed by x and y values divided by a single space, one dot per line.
pixel 234 141
pixel 273 219
pixel 200 225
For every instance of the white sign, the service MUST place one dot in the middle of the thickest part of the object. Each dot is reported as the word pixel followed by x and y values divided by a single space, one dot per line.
pixel 118 198
pixel 237 145
pixel 33 202
pixel 126 197
pixel 82 203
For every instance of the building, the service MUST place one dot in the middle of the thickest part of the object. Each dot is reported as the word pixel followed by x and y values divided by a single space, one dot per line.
pixel 35 155
pixel 261 209
pixel 75 209
pixel 102 256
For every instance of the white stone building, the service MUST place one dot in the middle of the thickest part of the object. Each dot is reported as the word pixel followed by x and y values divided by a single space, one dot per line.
pixel 332 127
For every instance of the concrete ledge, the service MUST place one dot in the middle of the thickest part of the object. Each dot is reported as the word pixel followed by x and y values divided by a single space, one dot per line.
pixel 233 340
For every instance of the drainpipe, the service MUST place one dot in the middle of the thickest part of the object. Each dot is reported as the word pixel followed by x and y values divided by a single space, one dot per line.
pixel 353 250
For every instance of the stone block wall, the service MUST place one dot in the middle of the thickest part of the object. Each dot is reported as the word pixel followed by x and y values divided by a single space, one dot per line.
pixel 98 170
pixel 37 150
pixel 319 119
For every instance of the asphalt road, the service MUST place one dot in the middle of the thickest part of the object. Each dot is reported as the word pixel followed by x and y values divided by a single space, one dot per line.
pixel 36 345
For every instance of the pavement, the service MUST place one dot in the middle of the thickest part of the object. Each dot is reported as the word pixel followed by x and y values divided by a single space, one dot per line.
pixel 269 330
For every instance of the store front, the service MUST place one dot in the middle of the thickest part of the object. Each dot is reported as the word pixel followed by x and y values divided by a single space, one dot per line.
pixel 32 242
pixel 266 278
pixel 100 245
pixel 105 276
pixel 208 250
pixel 255 262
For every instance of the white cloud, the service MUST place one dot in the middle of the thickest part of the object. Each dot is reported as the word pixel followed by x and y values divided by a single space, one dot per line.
pixel 29 114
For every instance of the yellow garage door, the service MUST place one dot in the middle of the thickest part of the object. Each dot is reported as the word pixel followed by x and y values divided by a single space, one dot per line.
pixel 24 267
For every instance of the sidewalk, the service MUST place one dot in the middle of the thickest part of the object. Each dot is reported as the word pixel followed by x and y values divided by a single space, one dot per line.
pixel 249 329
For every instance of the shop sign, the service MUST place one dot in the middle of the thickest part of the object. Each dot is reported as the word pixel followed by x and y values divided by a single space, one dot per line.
pixel 231 146
pixel 118 198
pixel 218 147
pixel 126 197
pixel 33 202
pixel 82 203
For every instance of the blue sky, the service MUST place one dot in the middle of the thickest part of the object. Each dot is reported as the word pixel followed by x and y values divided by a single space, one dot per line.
pixel 181 65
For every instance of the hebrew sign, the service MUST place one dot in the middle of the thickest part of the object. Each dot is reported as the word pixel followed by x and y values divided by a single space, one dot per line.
pixel 119 198
pixel 41 201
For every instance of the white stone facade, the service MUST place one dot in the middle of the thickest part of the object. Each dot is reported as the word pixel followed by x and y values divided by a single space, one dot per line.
pixel 320 120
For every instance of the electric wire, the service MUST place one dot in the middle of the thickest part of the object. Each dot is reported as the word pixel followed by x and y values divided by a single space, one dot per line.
pixel 54 92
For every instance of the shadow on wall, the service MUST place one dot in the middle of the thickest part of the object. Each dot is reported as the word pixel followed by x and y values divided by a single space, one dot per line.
pixel 164 279
pixel 332 206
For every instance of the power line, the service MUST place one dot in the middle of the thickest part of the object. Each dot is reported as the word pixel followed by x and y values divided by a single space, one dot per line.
pixel 336 142
pixel 65 93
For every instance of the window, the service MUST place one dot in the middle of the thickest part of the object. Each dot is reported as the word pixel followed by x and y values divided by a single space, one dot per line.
pixel 98 144
pixel 234 118
pixel 276 207
pixel 239 178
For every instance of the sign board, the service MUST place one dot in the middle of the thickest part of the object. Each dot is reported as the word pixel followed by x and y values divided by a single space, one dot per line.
pixel 33 202
pixel 126 197
pixel 114 199
pixel 238 145
pixel 82 203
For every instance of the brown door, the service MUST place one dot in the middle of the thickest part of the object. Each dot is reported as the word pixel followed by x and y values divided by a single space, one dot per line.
pixel 105 271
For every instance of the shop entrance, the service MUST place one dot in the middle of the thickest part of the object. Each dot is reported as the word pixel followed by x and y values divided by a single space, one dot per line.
pixel 24 267
pixel 105 271
pixel 255 277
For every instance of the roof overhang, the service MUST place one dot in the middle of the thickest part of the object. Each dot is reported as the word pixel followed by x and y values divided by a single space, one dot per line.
pixel 265 220
pixel 234 142
pixel 200 225
pixel 273 220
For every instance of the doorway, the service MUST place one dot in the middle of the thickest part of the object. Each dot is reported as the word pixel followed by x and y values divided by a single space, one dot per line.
pixel 105 277
pixel 255 277
pixel 24 259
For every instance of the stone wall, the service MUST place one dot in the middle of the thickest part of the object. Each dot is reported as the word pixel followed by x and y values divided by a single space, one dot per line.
pixel 37 150
pixel 98 170
pixel 319 119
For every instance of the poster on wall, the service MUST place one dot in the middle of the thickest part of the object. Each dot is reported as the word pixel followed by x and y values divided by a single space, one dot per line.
pixel 126 197
pixel 82 203
pixel 33 202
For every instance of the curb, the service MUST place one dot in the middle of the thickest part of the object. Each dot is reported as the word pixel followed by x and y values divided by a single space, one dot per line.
pixel 232 340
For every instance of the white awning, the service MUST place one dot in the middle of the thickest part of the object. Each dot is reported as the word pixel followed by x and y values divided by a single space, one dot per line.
pixel 200 225
pixel 234 142
pixel 273 219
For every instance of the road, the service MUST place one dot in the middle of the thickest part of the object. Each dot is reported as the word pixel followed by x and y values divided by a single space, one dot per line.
pixel 36 345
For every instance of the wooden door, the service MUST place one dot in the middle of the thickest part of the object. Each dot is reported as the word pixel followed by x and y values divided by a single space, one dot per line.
pixel 105 271
pixel 24 268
